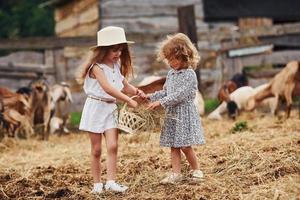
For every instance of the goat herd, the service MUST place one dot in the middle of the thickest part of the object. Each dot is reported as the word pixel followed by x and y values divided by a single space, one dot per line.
pixel 37 108
pixel 236 95
pixel 42 109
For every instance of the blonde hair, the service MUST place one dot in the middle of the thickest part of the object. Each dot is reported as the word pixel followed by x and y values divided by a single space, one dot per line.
pixel 98 55
pixel 178 46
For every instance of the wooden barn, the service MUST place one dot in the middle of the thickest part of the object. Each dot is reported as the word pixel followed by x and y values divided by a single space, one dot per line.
pixel 227 43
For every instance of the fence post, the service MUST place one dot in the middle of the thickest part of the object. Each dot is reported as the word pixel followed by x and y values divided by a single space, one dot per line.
pixel 187 25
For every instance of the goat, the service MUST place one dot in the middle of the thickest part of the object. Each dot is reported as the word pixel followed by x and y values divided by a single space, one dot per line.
pixel 158 85
pixel 60 106
pixel 3 123
pixel 15 112
pixel 284 84
pixel 238 101
pixel 41 105
pixel 237 81
pixel 17 123
pixel 14 100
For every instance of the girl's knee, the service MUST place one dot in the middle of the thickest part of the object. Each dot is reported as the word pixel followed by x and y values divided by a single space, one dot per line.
pixel 112 148
pixel 96 152
pixel 186 149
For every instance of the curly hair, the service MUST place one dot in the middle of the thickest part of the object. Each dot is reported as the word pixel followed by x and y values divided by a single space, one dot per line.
pixel 178 46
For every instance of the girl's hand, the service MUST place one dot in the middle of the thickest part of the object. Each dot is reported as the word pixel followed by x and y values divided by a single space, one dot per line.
pixel 132 103
pixel 153 105
pixel 148 96
pixel 141 94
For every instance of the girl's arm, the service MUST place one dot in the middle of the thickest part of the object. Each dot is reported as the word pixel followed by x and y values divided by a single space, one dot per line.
pixel 101 78
pixel 158 94
pixel 187 88
pixel 130 89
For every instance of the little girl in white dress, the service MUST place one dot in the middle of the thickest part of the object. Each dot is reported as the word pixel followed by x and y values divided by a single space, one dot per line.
pixel 104 82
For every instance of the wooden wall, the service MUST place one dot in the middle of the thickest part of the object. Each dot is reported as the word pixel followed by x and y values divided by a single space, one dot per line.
pixel 149 21
pixel 78 18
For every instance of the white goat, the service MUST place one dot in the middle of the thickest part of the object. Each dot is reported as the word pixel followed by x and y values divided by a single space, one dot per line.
pixel 240 96
pixel 60 107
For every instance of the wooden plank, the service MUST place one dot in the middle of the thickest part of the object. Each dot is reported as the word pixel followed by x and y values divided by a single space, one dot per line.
pixel 289 40
pixel 276 30
pixel 87 16
pixel 145 25
pixel 74 7
pixel 263 74
pixel 88 29
pixel 250 50
pixel 252 22
pixel 276 57
pixel 136 9
pixel 19 67
pixel 46 42
pixel 64 11
pixel 17 75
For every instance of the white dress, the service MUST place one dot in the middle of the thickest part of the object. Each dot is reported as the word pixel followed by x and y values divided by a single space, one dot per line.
pixel 98 116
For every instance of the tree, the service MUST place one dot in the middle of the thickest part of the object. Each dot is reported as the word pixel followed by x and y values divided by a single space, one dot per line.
pixel 24 18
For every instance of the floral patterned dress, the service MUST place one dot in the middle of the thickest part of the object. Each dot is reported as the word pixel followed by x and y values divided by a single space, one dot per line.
pixel 182 125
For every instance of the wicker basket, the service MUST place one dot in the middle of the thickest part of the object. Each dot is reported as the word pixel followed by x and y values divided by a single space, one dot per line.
pixel 128 121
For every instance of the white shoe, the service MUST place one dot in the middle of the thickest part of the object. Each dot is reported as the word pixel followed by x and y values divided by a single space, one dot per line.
pixel 113 186
pixel 197 174
pixel 172 178
pixel 98 188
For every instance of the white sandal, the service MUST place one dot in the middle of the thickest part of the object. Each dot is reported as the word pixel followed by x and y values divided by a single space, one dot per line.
pixel 172 178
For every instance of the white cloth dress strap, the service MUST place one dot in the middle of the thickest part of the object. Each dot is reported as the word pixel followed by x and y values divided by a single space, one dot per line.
pixel 92 65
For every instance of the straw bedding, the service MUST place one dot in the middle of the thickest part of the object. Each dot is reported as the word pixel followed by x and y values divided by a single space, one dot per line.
pixel 261 162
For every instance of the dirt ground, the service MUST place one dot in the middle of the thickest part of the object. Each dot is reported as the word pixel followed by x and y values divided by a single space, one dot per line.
pixel 260 162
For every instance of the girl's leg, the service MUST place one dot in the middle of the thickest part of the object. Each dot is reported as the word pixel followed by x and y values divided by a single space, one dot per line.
pixel 111 139
pixel 96 154
pixel 176 159
pixel 191 157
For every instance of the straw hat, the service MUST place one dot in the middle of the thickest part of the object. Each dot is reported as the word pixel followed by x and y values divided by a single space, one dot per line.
pixel 110 35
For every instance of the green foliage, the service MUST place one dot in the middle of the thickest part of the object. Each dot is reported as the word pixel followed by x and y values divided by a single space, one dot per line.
pixel 239 127
pixel 24 18
pixel 210 105
pixel 75 118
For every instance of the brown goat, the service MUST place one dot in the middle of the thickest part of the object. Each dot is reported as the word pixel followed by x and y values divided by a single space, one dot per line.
pixel 237 81
pixel 226 89
pixel 14 100
pixel 41 105
pixel 15 112
pixel 284 84
pixel 153 86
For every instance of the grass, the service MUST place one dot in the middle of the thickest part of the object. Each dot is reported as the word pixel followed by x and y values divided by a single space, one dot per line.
pixel 262 164
pixel 75 118
pixel 210 105
pixel 239 127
